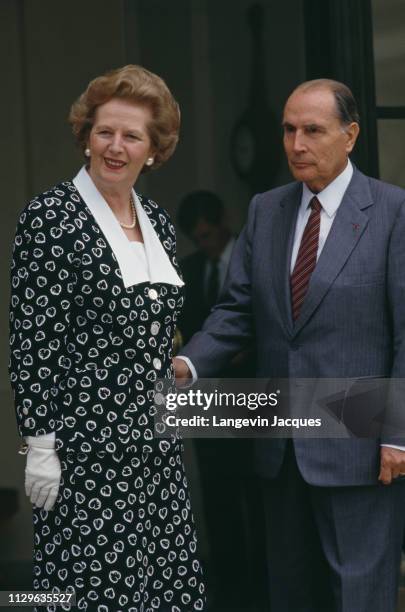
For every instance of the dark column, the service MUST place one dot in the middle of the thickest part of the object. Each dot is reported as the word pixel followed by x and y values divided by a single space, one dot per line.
pixel 339 45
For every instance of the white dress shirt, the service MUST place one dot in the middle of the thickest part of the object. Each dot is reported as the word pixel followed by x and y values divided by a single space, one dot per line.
pixel 330 199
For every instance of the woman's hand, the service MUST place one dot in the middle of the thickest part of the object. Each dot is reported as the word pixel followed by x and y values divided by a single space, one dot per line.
pixel 42 474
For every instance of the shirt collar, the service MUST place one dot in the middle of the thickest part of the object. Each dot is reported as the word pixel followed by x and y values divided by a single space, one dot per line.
pixel 332 196
pixel 161 269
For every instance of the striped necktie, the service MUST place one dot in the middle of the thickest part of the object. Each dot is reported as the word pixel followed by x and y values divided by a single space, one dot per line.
pixel 306 258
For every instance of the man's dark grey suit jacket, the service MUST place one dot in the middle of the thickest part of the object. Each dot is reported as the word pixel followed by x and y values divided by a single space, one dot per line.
pixel 352 323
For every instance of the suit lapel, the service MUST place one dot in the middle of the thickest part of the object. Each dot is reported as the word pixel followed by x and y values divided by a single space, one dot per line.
pixel 347 229
pixel 282 244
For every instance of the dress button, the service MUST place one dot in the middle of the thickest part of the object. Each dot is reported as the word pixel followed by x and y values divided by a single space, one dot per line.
pixel 153 294
pixel 157 364
pixel 154 328
pixel 25 411
pixel 159 399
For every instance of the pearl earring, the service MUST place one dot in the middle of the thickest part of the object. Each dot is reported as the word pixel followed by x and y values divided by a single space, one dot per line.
pixel 87 152
pixel 149 161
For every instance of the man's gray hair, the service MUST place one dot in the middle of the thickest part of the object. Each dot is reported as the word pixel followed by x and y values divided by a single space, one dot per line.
pixel 346 104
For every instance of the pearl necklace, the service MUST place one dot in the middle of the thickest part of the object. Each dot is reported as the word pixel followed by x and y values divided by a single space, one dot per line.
pixel 133 209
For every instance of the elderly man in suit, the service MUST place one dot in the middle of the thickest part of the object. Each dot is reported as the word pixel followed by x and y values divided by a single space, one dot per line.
pixel 317 278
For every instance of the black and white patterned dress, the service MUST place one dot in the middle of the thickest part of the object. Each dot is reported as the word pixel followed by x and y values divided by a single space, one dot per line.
pixel 87 343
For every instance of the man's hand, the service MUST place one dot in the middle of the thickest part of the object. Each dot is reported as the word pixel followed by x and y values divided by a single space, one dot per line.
pixel 392 464
pixel 182 371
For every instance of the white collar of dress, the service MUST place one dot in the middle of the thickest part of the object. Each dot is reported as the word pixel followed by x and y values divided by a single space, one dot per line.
pixel 161 269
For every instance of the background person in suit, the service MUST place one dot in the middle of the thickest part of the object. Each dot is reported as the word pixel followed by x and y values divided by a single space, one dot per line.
pixel 228 485
pixel 317 279
pixel 201 217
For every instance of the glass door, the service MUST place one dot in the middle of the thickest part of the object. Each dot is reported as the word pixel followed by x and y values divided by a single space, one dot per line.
pixel 389 59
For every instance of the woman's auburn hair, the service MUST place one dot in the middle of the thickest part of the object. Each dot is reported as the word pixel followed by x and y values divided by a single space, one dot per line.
pixel 140 86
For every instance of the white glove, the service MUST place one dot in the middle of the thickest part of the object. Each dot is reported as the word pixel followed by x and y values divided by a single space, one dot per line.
pixel 43 471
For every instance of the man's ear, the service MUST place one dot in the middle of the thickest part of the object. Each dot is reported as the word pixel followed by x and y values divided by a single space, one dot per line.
pixel 352 131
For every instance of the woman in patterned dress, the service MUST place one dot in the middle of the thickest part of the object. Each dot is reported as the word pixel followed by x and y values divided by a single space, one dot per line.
pixel 95 295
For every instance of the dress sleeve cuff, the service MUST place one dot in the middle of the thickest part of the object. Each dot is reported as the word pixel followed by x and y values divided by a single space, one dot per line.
pixel 401 448
pixel 194 376
pixel 45 441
